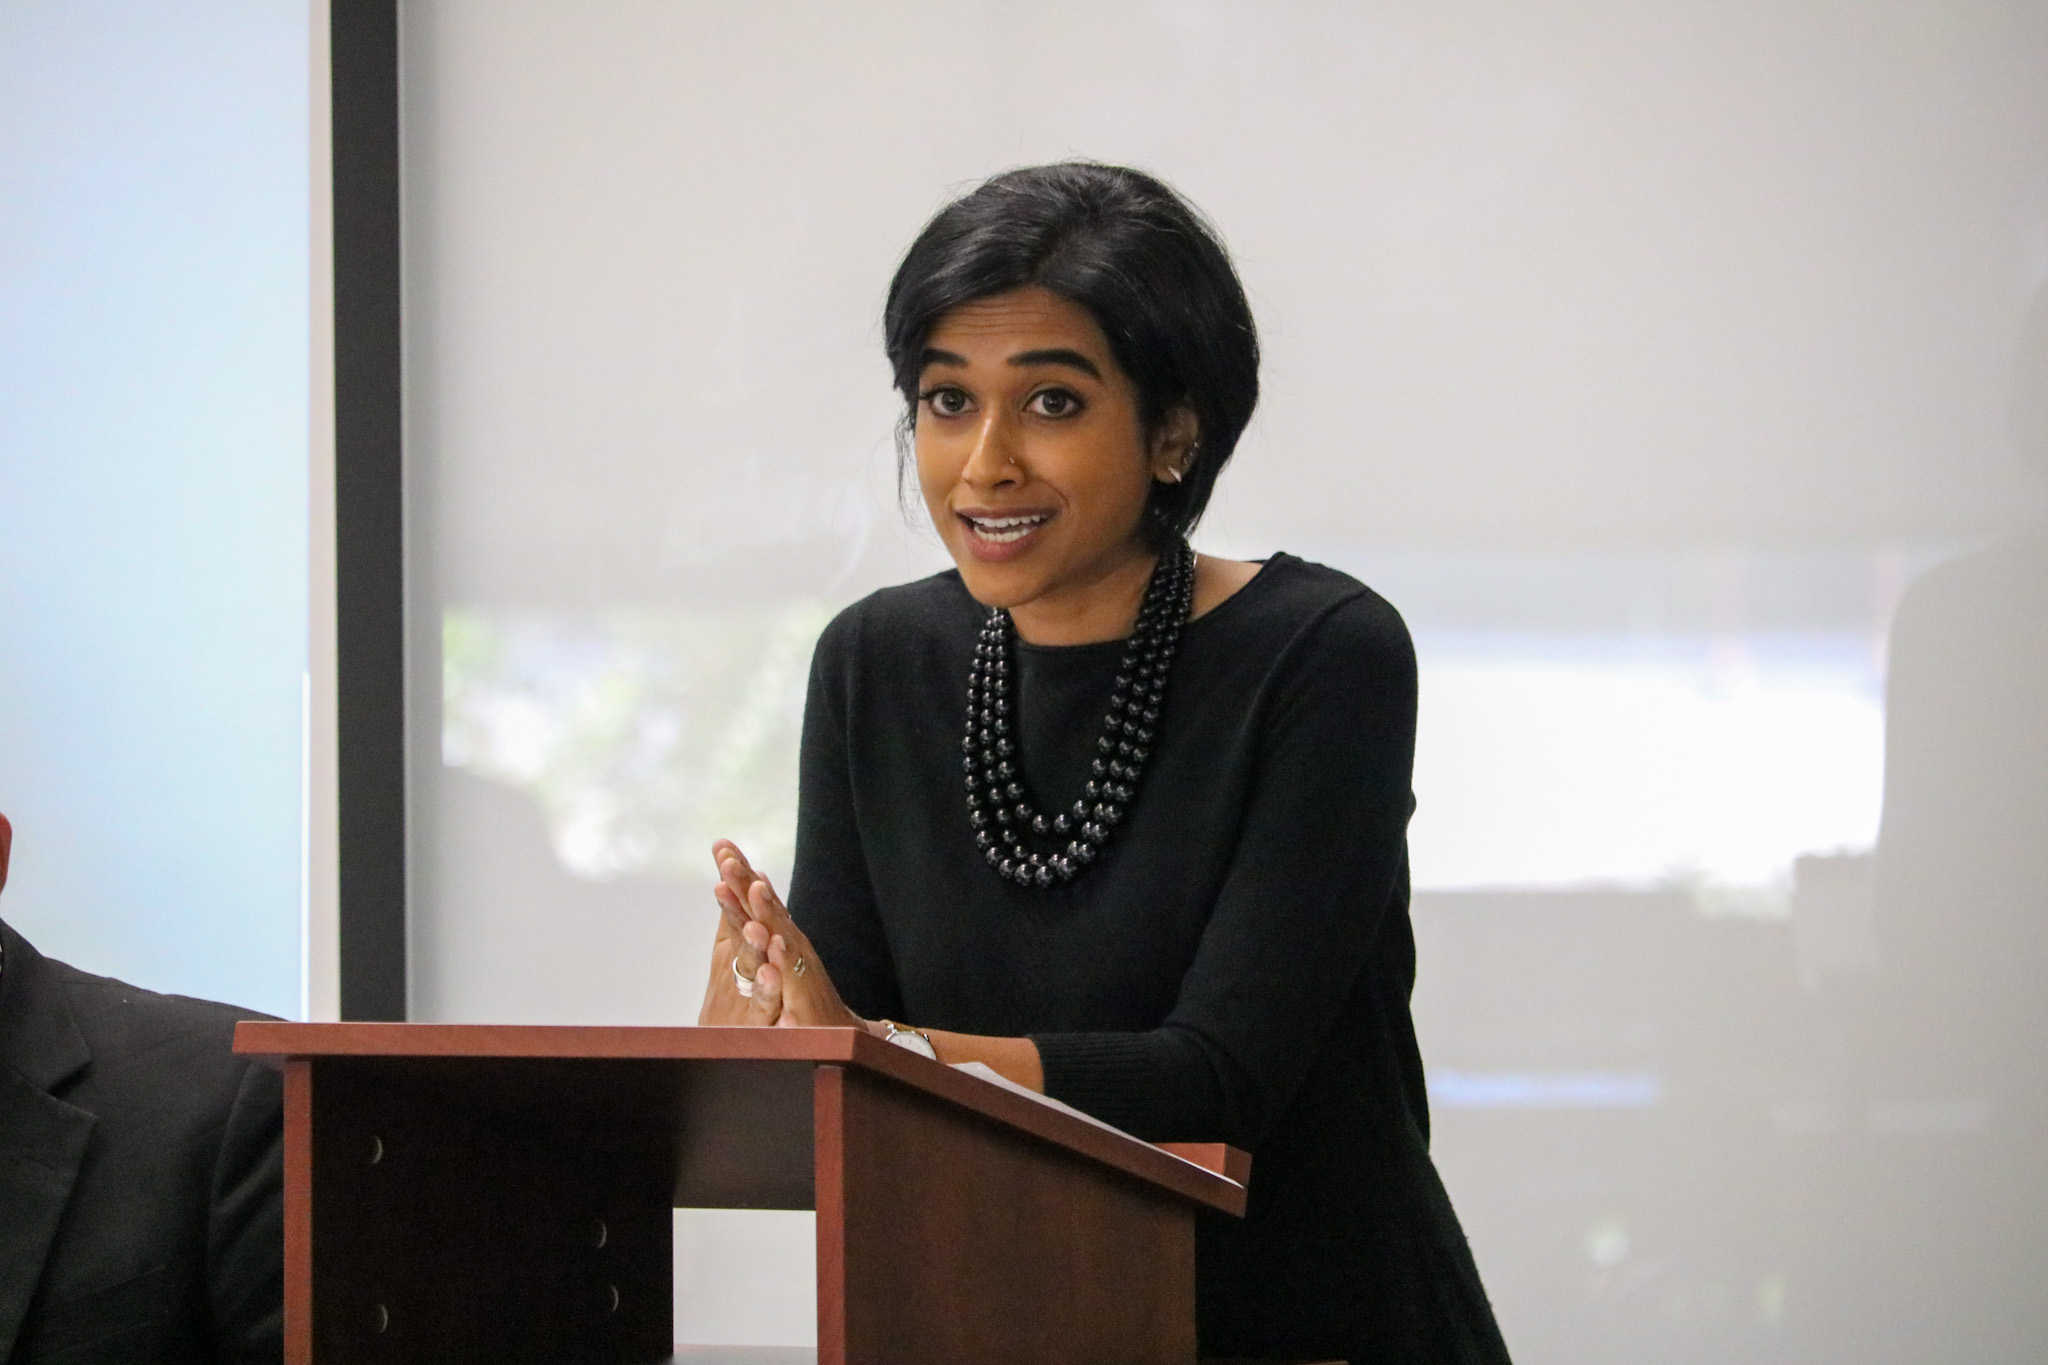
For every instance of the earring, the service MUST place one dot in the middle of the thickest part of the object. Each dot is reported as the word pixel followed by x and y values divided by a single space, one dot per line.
pixel 1176 474
pixel 1172 476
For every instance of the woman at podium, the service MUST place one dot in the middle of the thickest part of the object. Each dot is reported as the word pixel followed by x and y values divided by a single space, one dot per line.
pixel 1123 821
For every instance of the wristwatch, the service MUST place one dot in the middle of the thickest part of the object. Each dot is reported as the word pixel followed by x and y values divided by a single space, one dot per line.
pixel 911 1039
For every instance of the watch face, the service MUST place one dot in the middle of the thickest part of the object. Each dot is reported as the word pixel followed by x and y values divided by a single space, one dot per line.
pixel 914 1042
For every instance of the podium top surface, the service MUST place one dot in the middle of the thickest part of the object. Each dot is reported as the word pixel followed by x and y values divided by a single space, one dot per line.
pixel 1211 1175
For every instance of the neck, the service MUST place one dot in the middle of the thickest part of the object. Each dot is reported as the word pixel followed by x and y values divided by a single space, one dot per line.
pixel 1101 607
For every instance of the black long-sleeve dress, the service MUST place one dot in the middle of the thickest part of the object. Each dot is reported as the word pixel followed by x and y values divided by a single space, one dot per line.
pixel 1236 966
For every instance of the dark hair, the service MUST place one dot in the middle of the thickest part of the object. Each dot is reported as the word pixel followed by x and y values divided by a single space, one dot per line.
pixel 1144 263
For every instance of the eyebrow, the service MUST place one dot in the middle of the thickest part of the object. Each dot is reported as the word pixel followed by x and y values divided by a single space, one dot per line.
pixel 1058 355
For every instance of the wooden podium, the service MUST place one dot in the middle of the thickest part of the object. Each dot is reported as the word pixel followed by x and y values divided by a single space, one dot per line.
pixel 459 1193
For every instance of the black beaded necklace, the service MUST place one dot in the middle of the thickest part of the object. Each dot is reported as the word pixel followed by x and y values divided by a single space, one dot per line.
pixel 1006 822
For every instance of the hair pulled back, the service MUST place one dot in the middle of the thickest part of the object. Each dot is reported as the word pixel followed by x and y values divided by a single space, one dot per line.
pixel 1139 258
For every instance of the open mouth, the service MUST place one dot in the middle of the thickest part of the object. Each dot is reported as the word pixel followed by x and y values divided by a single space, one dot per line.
pixel 1005 530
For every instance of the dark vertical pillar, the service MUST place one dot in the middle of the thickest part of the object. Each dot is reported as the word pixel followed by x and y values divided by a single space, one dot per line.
pixel 369 508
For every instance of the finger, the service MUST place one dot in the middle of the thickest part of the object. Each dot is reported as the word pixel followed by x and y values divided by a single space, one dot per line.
pixel 727 855
pixel 786 959
pixel 738 878
pixel 723 1003
pixel 807 994
pixel 767 907
pixel 753 949
pixel 730 909
pixel 776 918
pixel 726 851
pixel 780 962
pixel 766 1006
pixel 782 959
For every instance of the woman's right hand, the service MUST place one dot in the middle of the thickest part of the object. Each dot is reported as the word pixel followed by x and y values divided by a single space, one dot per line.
pixel 742 942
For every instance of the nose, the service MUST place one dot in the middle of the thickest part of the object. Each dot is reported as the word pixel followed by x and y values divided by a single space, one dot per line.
pixel 993 462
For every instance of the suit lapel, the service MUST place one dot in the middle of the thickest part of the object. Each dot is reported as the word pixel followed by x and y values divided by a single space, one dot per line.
pixel 42 1139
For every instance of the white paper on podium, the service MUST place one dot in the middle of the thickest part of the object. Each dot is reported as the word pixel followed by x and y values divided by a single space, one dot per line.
pixel 983 1071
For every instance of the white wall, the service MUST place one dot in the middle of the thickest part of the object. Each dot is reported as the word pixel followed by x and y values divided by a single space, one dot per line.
pixel 153 423
pixel 1643 355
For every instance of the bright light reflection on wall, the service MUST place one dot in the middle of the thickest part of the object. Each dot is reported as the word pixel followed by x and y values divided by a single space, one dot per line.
pixel 1545 759
pixel 1706 764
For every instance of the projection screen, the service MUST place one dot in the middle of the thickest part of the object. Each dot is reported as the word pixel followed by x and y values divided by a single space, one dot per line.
pixel 1657 361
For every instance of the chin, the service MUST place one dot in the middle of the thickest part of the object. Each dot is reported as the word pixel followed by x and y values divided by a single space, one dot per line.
pixel 997 585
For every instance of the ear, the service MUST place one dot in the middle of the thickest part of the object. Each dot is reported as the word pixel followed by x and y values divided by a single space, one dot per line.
pixel 6 846
pixel 1174 444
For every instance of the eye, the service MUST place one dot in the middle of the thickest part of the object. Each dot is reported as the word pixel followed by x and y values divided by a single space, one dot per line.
pixel 946 400
pixel 1054 403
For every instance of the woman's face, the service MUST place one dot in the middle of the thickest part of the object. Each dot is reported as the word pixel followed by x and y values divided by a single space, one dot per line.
pixel 1033 461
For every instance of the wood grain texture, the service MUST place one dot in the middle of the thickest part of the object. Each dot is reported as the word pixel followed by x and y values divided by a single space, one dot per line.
pixel 955 1238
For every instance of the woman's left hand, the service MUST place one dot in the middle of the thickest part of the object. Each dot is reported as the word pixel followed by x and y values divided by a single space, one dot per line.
pixel 792 972
pixel 737 953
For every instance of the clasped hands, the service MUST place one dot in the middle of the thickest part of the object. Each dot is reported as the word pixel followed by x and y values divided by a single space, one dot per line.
pixel 758 941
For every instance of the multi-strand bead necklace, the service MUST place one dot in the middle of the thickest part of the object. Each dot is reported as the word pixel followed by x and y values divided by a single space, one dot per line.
pixel 1010 829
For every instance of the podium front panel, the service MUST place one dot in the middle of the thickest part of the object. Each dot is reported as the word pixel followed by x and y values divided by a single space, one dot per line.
pixel 461 1194
pixel 457 1231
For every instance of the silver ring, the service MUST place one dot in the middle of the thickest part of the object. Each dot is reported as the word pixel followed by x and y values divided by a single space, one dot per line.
pixel 745 983
pixel 796 968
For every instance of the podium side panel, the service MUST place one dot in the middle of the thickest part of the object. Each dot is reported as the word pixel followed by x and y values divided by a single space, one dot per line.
pixel 945 1237
pixel 448 1230
pixel 298 1211
pixel 828 1117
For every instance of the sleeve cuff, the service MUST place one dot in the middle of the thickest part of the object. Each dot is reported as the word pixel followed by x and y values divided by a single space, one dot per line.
pixel 1151 1085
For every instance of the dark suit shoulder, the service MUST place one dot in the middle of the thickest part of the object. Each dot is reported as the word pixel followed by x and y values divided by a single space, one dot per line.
pixel 119 1019
pixel 163 1239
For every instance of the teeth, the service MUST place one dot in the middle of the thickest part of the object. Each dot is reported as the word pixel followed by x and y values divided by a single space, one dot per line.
pixel 1003 530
